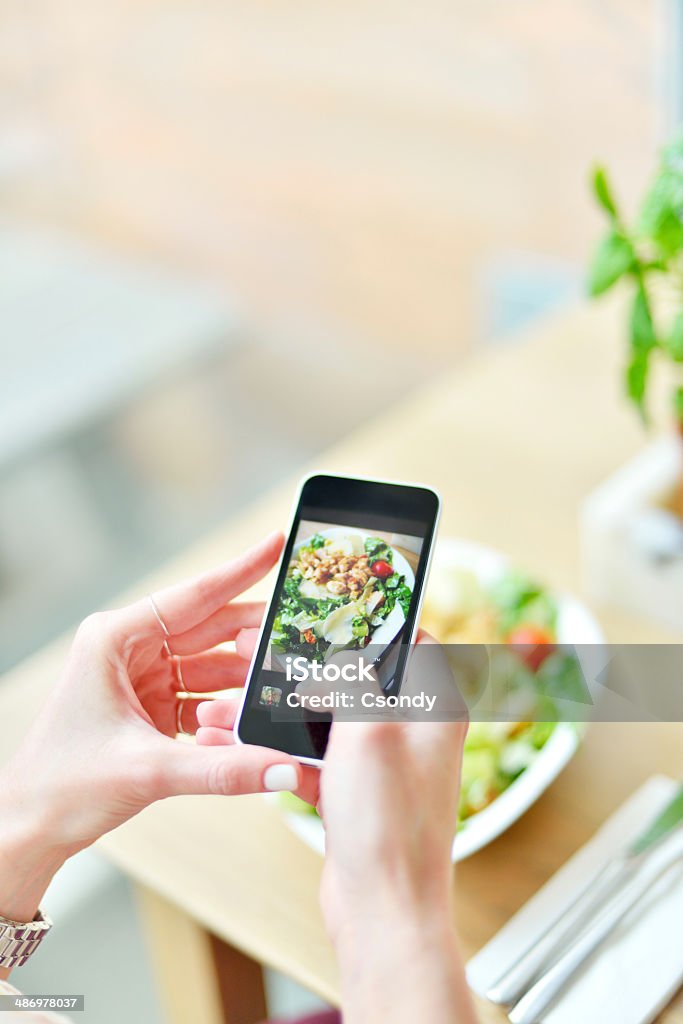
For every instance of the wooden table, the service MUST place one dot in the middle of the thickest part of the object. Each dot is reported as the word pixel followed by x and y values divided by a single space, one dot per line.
pixel 513 440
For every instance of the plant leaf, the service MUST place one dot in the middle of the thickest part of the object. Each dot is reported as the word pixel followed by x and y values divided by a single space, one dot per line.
pixel 669 234
pixel 643 336
pixel 613 258
pixel 643 340
pixel 674 342
pixel 636 379
pixel 603 191
pixel 660 217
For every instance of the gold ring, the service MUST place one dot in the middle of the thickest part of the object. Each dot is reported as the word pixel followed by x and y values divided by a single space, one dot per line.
pixel 173 657
pixel 179 675
pixel 179 716
pixel 161 622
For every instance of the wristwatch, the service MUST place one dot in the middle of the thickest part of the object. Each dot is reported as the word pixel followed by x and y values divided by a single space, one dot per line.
pixel 18 941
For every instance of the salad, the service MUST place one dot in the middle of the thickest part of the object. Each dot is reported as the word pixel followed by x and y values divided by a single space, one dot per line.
pixel 338 592
pixel 518 617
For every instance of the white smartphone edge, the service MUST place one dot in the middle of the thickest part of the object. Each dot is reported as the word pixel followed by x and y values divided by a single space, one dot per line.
pixel 317 762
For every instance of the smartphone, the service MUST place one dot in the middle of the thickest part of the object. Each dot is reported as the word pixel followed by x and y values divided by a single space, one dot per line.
pixel 352 576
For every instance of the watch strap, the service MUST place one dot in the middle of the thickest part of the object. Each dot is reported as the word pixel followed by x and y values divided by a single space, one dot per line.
pixel 19 940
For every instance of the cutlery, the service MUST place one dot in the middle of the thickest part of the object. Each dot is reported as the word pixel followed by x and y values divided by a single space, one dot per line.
pixel 530 1007
pixel 510 987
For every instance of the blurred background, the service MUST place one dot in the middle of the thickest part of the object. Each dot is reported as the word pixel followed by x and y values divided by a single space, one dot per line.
pixel 231 231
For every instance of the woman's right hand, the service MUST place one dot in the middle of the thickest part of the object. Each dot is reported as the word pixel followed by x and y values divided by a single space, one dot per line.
pixel 389 802
pixel 389 799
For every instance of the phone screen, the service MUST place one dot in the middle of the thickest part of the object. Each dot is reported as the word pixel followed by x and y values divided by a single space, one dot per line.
pixel 352 576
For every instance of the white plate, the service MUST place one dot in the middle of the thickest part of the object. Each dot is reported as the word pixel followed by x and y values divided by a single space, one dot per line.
pixel 575 625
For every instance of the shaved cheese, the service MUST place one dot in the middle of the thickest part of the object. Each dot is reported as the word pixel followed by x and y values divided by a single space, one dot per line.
pixel 315 591
pixel 351 545
pixel 338 626
pixel 304 621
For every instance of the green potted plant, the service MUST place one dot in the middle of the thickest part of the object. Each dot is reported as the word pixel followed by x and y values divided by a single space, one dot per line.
pixel 647 257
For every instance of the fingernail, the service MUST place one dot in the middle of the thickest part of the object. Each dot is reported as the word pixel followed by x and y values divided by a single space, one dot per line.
pixel 280 777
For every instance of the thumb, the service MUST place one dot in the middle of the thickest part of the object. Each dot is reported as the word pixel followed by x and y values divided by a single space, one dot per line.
pixel 184 769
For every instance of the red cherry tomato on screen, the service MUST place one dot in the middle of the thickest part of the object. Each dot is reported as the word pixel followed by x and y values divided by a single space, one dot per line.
pixel 534 644
pixel 382 570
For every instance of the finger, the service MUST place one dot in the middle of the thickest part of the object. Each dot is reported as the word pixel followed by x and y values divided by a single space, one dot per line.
pixel 219 713
pixel 207 736
pixel 184 768
pixel 309 788
pixel 213 670
pixel 427 666
pixel 245 643
pixel 184 718
pixel 443 737
pixel 213 736
pixel 225 624
pixel 185 605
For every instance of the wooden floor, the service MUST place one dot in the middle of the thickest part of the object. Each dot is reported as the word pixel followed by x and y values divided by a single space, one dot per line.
pixel 349 169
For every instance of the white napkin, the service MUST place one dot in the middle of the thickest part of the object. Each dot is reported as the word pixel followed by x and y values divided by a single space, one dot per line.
pixel 631 977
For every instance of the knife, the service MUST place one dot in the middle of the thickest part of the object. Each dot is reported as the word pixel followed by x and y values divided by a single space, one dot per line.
pixel 509 988
pixel 532 1006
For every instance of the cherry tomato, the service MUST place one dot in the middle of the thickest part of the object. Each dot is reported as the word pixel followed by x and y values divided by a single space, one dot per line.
pixel 534 644
pixel 309 636
pixel 382 570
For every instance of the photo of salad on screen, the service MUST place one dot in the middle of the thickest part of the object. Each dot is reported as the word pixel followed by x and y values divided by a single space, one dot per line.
pixel 345 588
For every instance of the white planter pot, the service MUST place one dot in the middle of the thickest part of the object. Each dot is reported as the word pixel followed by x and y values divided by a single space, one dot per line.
pixel 631 545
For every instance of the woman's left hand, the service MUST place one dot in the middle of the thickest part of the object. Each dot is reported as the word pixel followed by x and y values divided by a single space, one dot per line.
pixel 103 746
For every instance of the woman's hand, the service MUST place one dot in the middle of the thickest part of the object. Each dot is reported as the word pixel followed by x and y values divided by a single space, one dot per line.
pixel 389 801
pixel 103 746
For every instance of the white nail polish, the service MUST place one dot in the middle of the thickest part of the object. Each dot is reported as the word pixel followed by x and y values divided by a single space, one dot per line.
pixel 280 777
